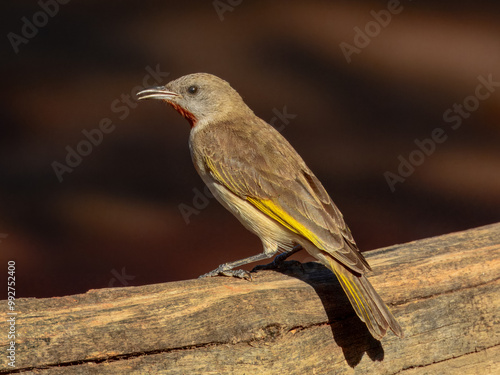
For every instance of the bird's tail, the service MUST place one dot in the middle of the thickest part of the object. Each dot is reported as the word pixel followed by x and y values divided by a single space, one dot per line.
pixel 366 302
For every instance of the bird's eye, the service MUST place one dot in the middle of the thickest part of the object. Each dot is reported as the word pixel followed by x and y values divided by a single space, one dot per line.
pixel 192 89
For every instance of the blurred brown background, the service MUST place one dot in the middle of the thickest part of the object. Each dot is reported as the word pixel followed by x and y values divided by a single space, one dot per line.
pixel 115 219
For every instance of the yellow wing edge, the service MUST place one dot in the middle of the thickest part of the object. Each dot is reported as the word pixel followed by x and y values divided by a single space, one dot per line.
pixel 271 209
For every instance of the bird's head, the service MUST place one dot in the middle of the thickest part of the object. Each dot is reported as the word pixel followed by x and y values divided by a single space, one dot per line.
pixel 199 97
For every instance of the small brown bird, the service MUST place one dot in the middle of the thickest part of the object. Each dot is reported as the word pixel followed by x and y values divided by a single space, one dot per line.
pixel 257 175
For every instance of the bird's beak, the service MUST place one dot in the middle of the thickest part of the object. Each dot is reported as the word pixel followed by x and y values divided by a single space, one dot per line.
pixel 159 92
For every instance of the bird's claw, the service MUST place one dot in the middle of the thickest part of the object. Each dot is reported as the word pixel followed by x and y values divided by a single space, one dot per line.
pixel 223 271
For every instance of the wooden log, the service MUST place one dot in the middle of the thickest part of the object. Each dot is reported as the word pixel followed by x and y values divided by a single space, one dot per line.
pixel 444 291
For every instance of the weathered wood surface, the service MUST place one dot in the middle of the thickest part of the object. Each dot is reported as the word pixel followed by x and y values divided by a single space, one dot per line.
pixel 445 292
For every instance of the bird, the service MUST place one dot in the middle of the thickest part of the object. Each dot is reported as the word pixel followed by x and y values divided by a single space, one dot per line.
pixel 256 174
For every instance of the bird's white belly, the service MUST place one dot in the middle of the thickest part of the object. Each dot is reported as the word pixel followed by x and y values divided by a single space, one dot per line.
pixel 272 234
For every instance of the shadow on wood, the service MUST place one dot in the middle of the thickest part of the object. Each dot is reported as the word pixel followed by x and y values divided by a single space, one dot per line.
pixel 348 331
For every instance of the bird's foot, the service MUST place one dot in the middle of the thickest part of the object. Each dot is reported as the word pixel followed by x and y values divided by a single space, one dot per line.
pixel 223 270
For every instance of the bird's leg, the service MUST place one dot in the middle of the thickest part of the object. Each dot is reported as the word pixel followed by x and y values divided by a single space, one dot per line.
pixel 278 260
pixel 226 269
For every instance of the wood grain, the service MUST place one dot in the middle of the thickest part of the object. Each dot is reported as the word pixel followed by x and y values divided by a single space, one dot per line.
pixel 444 291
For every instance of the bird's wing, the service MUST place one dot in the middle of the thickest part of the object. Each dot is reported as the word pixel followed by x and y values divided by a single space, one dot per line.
pixel 263 168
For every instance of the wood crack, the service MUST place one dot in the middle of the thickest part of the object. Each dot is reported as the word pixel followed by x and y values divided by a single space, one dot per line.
pixel 273 332
pixel 445 359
